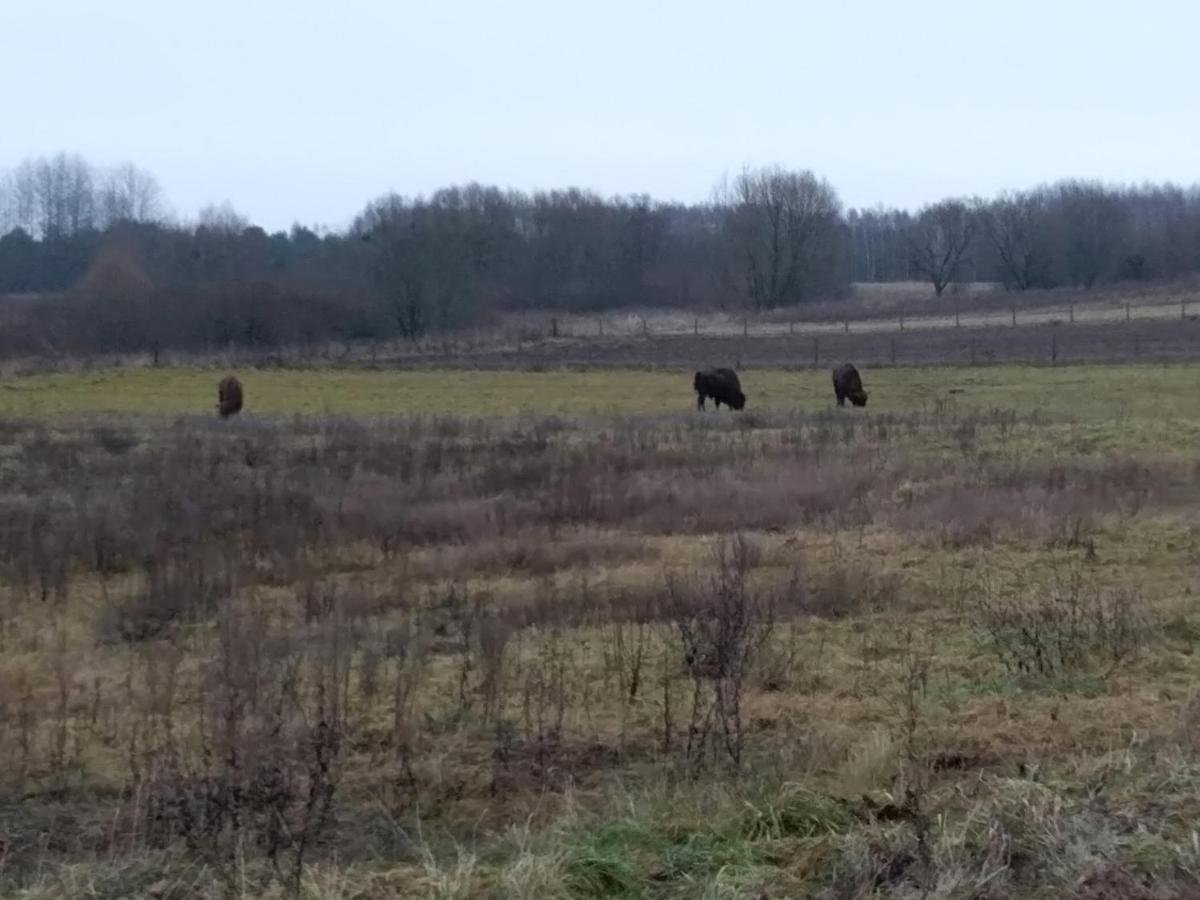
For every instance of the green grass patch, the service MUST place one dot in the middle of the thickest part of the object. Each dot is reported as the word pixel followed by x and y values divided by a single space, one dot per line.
pixel 1120 403
pixel 681 849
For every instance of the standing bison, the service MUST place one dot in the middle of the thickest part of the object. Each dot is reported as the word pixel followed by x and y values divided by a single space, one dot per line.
pixel 720 384
pixel 846 383
pixel 229 397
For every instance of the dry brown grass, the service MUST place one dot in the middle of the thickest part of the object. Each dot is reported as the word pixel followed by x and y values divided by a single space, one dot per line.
pixel 646 657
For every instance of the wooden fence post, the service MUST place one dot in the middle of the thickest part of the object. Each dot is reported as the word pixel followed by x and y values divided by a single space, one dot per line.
pixel 696 325
pixel 745 325
pixel 1071 314
pixel 1054 348
pixel 1127 312
pixel 956 318
pixel 901 321
pixel 1014 317
pixel 893 351
pixel 846 325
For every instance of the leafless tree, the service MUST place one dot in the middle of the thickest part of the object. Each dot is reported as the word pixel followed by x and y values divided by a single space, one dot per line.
pixel 1015 225
pixel 784 230
pixel 420 255
pixel 1092 229
pixel 939 240
pixel 222 218
pixel 63 195
pixel 8 218
pixel 878 247
pixel 22 199
pixel 129 194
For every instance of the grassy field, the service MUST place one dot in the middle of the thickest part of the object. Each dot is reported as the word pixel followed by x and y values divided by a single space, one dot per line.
pixel 1088 393
pixel 559 635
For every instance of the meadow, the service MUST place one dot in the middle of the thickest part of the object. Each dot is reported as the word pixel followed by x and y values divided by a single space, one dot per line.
pixel 557 634
pixel 1087 394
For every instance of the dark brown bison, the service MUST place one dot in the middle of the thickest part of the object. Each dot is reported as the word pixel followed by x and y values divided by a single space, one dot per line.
pixel 720 384
pixel 846 383
pixel 229 397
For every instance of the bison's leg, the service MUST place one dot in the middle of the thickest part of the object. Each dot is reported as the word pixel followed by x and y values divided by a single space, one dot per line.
pixel 841 399
pixel 716 403
pixel 699 400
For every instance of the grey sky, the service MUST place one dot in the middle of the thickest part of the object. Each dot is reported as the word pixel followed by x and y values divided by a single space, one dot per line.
pixel 302 110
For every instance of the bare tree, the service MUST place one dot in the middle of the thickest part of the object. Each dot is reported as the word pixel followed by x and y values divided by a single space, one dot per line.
pixel 63 195
pixel 878 245
pixel 939 239
pixel 1015 224
pixel 222 218
pixel 129 194
pixel 50 198
pixel 1092 230
pixel 21 201
pixel 8 219
pixel 784 232
pixel 421 261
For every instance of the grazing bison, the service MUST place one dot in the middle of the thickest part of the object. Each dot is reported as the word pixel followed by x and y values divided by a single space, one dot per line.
pixel 846 383
pixel 720 384
pixel 229 397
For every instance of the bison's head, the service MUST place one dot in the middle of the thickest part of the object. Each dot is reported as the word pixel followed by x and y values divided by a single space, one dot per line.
pixel 738 400
pixel 859 399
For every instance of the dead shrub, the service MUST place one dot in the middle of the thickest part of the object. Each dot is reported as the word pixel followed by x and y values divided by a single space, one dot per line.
pixel 533 554
pixel 38 542
pixel 114 440
pixel 44 450
pixel 845 589
pixel 176 588
pixel 744 496
pixel 272 727
pixel 1064 627
pixel 720 624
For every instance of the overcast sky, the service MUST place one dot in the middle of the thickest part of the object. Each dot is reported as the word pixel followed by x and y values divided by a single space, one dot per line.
pixel 302 110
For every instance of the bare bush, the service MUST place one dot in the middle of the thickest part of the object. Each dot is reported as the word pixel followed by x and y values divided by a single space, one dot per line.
pixel 272 725
pixel 387 618
pixel 115 440
pixel 1064 627
pixel 849 588
pixel 721 625
pixel 176 588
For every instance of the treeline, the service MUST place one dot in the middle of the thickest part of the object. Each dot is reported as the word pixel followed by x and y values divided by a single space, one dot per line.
pixel 91 259
pixel 1073 233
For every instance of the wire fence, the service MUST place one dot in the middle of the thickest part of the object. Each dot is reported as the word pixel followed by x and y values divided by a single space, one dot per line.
pixel 1073 334
pixel 1141 339
pixel 540 326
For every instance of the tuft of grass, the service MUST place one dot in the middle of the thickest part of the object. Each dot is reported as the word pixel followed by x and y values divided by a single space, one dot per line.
pixel 793 810
pixel 453 879
pixel 603 862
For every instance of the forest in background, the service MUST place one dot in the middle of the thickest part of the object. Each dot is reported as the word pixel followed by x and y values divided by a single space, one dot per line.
pixel 92 260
